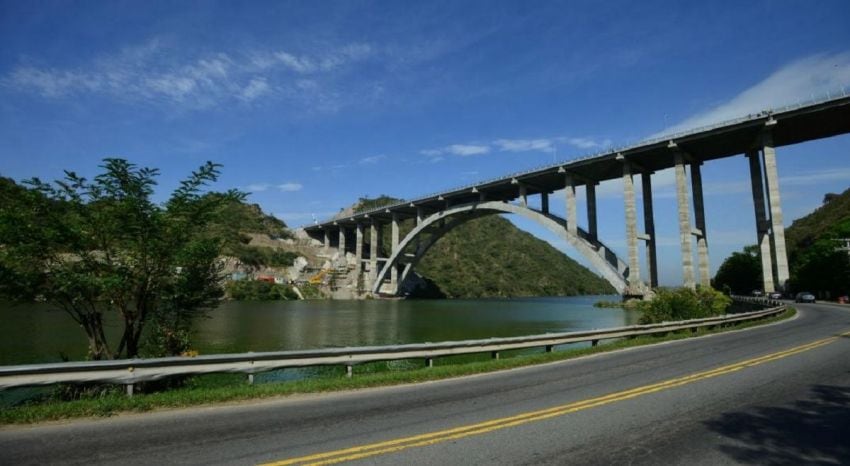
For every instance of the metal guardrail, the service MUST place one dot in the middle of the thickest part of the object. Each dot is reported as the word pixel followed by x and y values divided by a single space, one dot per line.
pixel 131 371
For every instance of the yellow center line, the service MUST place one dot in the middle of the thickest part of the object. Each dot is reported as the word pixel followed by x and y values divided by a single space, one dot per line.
pixel 391 446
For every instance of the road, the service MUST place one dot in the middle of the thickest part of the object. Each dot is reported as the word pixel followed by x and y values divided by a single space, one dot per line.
pixel 778 394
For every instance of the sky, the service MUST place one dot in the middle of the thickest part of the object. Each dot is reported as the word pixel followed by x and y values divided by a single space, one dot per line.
pixel 311 105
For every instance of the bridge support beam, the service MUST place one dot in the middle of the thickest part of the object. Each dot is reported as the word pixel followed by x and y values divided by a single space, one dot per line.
pixel 570 198
pixel 544 202
pixel 699 219
pixel 771 179
pixel 342 242
pixel 649 228
pixel 590 191
pixel 327 240
pixel 684 220
pixel 762 223
pixel 631 229
pixel 523 196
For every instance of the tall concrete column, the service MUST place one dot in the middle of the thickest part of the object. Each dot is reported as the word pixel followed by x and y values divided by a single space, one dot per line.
pixel 631 227
pixel 394 270
pixel 771 179
pixel 358 246
pixel 544 202
pixel 699 219
pixel 420 215
pixel 756 181
pixel 342 243
pixel 373 251
pixel 570 198
pixel 523 195
pixel 590 190
pixel 327 241
pixel 684 221
pixel 649 227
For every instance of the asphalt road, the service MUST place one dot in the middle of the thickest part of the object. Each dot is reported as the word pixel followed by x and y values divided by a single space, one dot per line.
pixel 778 394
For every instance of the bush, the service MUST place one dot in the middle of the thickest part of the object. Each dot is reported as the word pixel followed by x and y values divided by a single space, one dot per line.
pixel 683 304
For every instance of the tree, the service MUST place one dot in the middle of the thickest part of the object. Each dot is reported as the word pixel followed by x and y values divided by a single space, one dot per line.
pixel 103 246
pixel 740 273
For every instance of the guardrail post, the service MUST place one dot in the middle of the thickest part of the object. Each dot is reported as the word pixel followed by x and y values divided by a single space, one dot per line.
pixel 429 362
pixel 129 387
pixel 495 355
pixel 250 379
pixel 549 348
pixel 349 370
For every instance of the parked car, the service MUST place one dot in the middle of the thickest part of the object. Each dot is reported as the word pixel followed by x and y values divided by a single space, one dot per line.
pixel 775 295
pixel 804 297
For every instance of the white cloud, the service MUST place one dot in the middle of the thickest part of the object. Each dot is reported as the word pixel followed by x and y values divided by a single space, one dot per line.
pixel 800 80
pixel 256 88
pixel 816 177
pixel 465 150
pixel 587 143
pixel 290 187
pixel 158 73
pixel 371 160
pixel 525 145
pixel 257 187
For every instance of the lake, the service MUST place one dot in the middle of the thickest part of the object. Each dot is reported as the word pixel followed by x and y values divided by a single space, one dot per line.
pixel 33 333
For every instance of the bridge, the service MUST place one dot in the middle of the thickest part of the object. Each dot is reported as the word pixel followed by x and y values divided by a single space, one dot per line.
pixel 756 136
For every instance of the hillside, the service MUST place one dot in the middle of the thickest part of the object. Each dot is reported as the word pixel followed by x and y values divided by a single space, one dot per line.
pixel 816 263
pixel 805 231
pixel 490 257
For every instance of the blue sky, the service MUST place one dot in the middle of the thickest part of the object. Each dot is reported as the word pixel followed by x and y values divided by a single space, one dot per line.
pixel 310 105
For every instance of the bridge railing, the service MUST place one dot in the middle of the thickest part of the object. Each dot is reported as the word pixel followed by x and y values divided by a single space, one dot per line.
pixel 131 371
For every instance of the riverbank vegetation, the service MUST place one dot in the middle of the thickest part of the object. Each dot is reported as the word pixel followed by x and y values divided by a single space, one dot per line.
pixel 256 290
pixel 671 305
pixel 219 388
pixel 103 246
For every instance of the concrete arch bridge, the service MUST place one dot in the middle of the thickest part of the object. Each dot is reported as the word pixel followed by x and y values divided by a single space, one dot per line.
pixel 754 136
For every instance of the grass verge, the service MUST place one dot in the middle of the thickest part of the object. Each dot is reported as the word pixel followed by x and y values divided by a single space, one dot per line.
pixel 221 388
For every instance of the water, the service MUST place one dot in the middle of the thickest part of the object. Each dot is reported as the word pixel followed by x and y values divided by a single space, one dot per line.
pixel 31 333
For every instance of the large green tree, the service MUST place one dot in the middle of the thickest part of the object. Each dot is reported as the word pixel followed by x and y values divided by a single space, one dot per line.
pixel 740 273
pixel 92 247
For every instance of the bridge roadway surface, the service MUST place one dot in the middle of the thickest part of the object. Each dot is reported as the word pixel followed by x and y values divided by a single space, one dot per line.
pixel 793 409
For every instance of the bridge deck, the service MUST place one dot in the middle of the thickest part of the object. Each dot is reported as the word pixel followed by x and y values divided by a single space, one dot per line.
pixel 793 125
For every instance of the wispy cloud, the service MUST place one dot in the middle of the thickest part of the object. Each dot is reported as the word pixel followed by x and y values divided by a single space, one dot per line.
pixel 525 145
pixel 157 73
pixel 465 150
pixel 257 187
pixel 371 160
pixel 290 187
pixel 797 81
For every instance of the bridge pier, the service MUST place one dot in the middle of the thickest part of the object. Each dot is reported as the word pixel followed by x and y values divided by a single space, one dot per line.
pixel 633 278
pixel 373 251
pixel 771 179
pixel 649 228
pixel 590 194
pixel 699 219
pixel 762 223
pixel 684 219
pixel 341 243
pixel 394 271
pixel 544 202
pixel 570 198
pixel 358 247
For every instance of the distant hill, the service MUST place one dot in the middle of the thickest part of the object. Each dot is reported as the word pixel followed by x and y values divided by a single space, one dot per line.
pixel 830 219
pixel 491 257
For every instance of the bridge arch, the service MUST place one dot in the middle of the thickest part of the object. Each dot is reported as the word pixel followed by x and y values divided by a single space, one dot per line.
pixel 602 258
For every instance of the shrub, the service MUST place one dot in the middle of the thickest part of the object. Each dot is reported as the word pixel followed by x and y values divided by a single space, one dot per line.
pixel 683 304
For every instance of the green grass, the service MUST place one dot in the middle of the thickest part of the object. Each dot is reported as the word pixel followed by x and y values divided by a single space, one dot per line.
pixel 222 388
